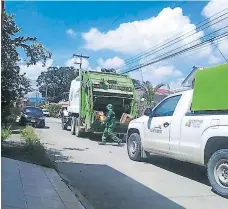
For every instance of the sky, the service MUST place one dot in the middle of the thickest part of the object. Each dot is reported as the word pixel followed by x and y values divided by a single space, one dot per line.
pixel 111 33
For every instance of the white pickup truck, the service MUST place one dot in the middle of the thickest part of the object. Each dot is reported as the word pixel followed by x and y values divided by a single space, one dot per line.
pixel 171 129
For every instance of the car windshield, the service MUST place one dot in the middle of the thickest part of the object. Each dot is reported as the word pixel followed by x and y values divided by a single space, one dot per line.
pixel 44 110
pixel 33 110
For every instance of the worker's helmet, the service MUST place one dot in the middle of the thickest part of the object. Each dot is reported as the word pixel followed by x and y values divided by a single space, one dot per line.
pixel 109 107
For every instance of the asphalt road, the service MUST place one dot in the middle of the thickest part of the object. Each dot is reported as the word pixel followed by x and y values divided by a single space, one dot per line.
pixel 108 179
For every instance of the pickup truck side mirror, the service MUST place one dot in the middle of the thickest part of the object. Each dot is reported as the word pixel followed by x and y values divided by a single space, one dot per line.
pixel 148 112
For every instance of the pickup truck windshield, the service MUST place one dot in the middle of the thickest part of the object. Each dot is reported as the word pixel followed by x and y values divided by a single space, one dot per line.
pixel 167 107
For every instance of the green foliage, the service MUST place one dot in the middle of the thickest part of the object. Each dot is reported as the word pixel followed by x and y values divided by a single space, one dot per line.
pixel 15 85
pixel 55 81
pixel 150 91
pixel 14 113
pixel 30 136
pixel 5 133
pixel 53 109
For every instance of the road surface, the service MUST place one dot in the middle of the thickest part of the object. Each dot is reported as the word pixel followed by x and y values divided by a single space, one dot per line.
pixel 108 179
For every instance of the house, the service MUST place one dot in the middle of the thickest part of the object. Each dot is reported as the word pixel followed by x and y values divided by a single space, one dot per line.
pixel 160 94
pixel 188 81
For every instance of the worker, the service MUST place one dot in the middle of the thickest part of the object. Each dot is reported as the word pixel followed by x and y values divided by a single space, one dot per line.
pixel 65 112
pixel 110 123
pixel 142 106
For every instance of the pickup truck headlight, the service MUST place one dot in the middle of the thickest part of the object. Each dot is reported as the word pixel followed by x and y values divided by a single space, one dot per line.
pixel 42 118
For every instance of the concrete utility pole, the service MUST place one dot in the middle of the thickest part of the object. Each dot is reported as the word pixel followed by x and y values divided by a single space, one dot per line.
pixel 80 56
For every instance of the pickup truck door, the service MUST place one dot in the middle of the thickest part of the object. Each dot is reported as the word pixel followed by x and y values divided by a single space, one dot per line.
pixel 157 133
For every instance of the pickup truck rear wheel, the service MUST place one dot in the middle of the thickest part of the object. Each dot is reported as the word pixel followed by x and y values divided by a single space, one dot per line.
pixel 217 171
pixel 134 147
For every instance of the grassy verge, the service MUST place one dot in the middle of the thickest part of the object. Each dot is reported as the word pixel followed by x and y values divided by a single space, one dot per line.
pixel 28 148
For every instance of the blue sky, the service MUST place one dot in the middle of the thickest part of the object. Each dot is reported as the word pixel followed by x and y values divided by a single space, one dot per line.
pixel 49 22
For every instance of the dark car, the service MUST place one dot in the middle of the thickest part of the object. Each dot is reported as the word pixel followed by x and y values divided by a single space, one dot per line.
pixel 32 116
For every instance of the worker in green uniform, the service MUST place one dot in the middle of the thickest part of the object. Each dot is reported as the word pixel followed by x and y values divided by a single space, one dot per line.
pixel 110 123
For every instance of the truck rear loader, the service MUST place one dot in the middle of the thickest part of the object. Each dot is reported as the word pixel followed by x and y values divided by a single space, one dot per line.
pixel 89 95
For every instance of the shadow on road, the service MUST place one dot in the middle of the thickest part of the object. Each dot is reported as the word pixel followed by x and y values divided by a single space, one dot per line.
pixel 107 188
pixel 188 170
pixel 75 149
pixel 46 127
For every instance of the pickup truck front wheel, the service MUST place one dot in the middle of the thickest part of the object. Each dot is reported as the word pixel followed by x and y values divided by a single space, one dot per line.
pixel 134 147
pixel 217 171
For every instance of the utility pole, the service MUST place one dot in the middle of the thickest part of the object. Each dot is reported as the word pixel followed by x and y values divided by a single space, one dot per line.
pixel 141 73
pixel 36 98
pixel 46 91
pixel 80 56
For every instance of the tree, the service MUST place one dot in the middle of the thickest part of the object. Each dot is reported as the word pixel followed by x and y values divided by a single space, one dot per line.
pixel 55 81
pixel 137 83
pixel 150 91
pixel 14 84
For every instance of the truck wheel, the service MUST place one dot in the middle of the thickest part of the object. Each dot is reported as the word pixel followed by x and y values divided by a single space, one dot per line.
pixel 217 172
pixel 78 132
pixel 134 147
pixel 72 126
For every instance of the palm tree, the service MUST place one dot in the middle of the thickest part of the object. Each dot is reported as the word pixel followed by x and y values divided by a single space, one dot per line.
pixel 150 91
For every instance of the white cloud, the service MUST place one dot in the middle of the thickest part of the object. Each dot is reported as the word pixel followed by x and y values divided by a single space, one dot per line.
pixel 214 59
pixel 157 74
pixel 175 84
pixel 211 9
pixel 214 7
pixel 72 62
pixel 134 37
pixel 33 71
pixel 111 62
pixel 71 32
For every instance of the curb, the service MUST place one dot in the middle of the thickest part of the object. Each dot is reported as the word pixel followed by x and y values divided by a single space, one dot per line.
pixel 84 202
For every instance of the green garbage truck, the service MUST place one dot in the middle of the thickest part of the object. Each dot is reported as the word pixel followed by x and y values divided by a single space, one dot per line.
pixel 89 95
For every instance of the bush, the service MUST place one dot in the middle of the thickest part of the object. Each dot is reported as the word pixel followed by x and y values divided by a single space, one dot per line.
pixel 5 133
pixel 53 109
pixel 31 138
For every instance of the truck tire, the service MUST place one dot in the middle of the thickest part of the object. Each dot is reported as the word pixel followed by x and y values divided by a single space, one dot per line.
pixel 78 132
pixel 72 125
pixel 134 147
pixel 217 172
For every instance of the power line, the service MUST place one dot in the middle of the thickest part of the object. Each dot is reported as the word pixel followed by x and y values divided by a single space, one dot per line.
pixel 155 51
pixel 148 51
pixel 176 53
pixel 185 44
pixel 202 48
pixel 225 34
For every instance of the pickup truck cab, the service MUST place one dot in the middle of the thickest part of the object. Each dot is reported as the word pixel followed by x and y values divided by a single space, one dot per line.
pixel 171 129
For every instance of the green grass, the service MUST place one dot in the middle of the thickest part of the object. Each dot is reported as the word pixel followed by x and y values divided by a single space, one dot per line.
pixel 30 149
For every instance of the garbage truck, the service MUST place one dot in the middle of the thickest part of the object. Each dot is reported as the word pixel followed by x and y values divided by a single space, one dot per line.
pixel 89 95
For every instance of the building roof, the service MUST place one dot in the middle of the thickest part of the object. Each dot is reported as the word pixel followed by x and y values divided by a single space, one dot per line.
pixel 188 80
pixel 159 91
